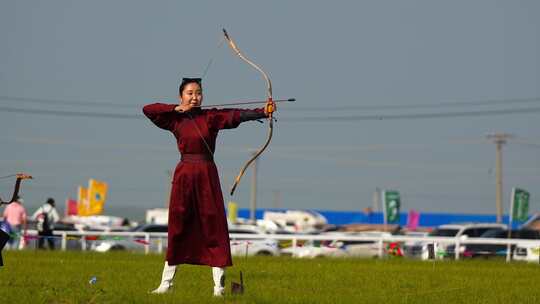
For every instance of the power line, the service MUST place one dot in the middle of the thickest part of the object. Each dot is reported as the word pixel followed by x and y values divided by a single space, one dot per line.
pixel 410 116
pixel 527 143
pixel 66 102
pixel 71 113
pixel 422 105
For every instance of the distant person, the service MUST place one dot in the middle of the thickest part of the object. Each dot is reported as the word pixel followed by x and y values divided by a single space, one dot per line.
pixel 15 216
pixel 197 231
pixel 45 217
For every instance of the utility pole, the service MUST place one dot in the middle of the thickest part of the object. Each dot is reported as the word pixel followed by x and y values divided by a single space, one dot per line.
pixel 253 208
pixel 499 139
pixel 277 199
pixel 376 199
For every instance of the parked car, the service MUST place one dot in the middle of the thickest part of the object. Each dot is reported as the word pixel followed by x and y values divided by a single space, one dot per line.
pixel 492 250
pixel 297 220
pixel 338 248
pixel 414 248
pixel 242 246
pixel 527 253
pixel 314 249
pixel 239 246
pixel 465 230
pixel 130 243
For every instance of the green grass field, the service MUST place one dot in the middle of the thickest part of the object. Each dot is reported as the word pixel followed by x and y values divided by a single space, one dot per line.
pixel 63 277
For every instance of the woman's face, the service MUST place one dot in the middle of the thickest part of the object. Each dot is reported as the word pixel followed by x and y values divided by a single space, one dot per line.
pixel 192 94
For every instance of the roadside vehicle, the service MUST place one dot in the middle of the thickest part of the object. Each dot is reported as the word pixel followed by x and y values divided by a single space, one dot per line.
pixel 337 247
pixel 130 243
pixel 314 249
pixel 527 253
pixel 492 250
pixel 414 248
pixel 242 246
pixel 297 220
pixel 462 231
pixel 239 246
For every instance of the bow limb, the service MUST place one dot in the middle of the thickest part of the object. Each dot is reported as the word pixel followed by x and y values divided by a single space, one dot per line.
pixel 254 157
pixel 237 51
pixel 16 188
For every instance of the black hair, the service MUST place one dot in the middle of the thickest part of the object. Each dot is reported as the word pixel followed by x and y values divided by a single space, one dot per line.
pixel 50 201
pixel 186 81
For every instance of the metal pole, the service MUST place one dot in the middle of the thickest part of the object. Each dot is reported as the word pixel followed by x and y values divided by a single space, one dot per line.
pixel 83 242
pixel 64 241
pixel 499 181
pixel 456 249
pixel 510 218
pixel 277 199
pixel 146 243
pixel 383 206
pixel 160 245
pixel 376 199
pixel 499 139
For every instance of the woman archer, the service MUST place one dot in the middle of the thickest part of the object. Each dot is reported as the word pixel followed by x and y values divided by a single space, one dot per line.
pixel 197 229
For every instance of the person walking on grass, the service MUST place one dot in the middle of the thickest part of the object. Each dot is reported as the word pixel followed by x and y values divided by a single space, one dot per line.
pixel 45 217
pixel 197 229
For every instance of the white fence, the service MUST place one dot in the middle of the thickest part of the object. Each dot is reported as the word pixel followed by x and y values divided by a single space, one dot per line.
pixel 146 239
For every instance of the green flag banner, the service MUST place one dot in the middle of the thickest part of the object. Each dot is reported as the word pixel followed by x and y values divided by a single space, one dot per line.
pixel 392 203
pixel 520 205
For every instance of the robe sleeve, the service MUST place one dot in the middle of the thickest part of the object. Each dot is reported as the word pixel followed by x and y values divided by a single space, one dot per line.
pixel 219 119
pixel 162 115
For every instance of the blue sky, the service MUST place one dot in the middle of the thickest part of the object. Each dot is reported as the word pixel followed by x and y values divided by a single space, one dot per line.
pixel 441 75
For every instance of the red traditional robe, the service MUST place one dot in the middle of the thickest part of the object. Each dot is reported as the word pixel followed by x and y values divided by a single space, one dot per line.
pixel 198 232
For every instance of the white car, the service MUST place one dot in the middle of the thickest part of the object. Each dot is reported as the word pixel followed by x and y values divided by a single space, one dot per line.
pixel 132 243
pixel 239 246
pixel 338 248
pixel 314 249
pixel 414 248
pixel 242 246
pixel 527 253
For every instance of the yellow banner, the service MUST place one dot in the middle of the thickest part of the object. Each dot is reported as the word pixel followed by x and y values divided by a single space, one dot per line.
pixel 82 201
pixel 97 194
pixel 232 212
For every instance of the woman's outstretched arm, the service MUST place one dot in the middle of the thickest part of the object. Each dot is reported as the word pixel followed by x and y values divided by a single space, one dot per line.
pixel 161 114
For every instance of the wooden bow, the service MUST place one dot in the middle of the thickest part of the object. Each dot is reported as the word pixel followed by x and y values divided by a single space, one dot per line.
pixel 269 102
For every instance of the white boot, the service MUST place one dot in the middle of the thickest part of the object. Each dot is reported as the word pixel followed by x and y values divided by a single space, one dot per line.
pixel 166 279
pixel 218 274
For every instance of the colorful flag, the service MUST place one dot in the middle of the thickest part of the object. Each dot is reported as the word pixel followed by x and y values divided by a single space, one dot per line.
pixel 413 219
pixel 82 201
pixel 391 205
pixel 97 194
pixel 71 207
pixel 520 205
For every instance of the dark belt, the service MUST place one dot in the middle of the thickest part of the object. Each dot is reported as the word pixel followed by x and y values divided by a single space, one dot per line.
pixel 190 158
